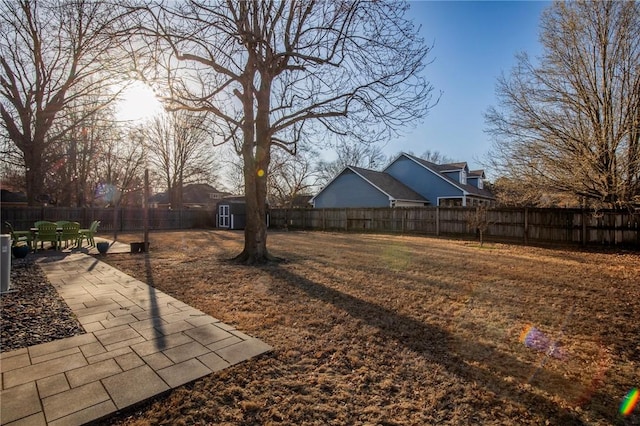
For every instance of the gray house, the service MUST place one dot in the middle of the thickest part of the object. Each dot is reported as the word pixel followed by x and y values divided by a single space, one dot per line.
pixel 358 187
pixel 407 182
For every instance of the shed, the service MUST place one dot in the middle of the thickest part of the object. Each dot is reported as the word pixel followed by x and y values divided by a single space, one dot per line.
pixel 231 213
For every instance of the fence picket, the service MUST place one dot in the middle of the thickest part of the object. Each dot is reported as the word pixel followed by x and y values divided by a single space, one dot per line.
pixel 528 225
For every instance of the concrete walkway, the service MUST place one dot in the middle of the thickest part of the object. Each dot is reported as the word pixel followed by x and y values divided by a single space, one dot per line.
pixel 140 342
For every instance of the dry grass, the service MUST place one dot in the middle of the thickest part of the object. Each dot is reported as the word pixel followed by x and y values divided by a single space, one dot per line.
pixel 395 330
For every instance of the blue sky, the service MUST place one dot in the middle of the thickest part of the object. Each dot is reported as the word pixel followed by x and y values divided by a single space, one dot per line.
pixel 474 42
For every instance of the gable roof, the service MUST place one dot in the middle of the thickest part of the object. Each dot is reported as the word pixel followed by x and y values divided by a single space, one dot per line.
pixel 383 182
pixel 450 167
pixel 388 184
pixel 476 174
pixel 438 170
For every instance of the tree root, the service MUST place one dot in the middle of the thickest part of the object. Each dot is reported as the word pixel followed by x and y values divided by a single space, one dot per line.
pixel 248 259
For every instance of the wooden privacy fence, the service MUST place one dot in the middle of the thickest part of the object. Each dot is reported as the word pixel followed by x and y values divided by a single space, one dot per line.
pixel 120 220
pixel 528 225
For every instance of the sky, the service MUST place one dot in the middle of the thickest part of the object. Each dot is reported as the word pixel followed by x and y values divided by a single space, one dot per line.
pixel 474 43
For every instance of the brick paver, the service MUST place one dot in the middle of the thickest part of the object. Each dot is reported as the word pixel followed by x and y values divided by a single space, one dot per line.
pixel 140 342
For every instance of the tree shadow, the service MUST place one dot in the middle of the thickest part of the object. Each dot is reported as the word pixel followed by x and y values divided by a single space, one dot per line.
pixel 155 309
pixel 438 346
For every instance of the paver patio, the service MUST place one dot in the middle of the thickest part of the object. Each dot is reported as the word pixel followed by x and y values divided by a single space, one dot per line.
pixel 140 342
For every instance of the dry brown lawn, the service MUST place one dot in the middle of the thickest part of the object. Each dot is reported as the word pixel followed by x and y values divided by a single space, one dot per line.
pixel 401 330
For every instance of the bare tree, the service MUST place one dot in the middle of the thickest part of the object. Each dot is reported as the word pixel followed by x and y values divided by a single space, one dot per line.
pixel 121 169
pixel 435 157
pixel 478 220
pixel 571 124
pixel 73 176
pixel 52 53
pixel 289 177
pixel 234 172
pixel 369 156
pixel 275 73
pixel 180 150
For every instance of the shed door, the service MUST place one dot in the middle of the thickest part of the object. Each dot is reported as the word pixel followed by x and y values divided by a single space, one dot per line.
pixel 223 216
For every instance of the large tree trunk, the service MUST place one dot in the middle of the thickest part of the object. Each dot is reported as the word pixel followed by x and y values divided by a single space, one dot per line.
pixel 256 153
pixel 34 175
pixel 255 231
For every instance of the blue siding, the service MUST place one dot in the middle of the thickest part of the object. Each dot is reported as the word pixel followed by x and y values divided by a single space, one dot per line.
pixel 350 190
pixel 421 180
pixel 453 175
pixel 473 181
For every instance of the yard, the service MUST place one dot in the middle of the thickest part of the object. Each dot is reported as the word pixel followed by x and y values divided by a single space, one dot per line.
pixel 399 330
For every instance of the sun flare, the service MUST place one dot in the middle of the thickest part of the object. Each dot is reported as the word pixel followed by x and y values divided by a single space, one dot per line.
pixel 138 104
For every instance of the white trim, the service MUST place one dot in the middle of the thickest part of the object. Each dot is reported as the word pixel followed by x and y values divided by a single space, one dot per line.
pixel 223 216
pixel 313 199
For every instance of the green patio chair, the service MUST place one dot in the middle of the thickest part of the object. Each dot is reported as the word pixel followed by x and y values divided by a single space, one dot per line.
pixel 88 234
pixel 70 232
pixel 16 236
pixel 45 231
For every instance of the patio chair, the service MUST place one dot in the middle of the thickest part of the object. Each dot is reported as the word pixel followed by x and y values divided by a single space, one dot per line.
pixel 45 231
pixel 88 234
pixel 70 232
pixel 60 223
pixel 17 236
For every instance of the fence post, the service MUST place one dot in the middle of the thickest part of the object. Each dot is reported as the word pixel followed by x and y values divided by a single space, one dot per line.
pixel 346 220
pixel 583 236
pixel 324 218
pixel 437 220
pixel 526 225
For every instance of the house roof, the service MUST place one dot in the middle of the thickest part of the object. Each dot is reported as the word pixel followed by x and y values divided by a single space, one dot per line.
pixel 450 166
pixel 385 183
pixel 232 199
pixel 438 169
pixel 12 197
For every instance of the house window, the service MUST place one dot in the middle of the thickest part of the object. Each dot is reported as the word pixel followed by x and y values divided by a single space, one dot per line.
pixel 463 177
pixel 480 185
pixel 451 202
pixel 223 216
pixel 215 195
